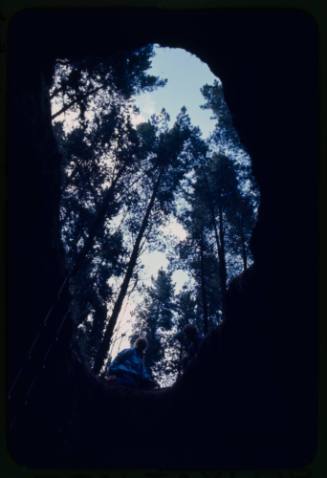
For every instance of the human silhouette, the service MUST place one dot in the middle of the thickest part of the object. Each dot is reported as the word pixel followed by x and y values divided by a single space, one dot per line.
pixel 128 368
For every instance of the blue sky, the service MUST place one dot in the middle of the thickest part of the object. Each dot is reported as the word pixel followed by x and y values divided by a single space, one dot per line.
pixel 186 74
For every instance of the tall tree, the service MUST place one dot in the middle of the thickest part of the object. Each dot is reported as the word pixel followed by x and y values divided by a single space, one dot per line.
pixel 155 317
pixel 244 200
pixel 186 314
pixel 224 136
pixel 171 152
pixel 196 254
pixel 101 156
pixel 217 188
pixel 93 178
pixel 241 222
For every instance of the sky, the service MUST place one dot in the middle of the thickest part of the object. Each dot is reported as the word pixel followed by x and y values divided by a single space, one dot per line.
pixel 186 74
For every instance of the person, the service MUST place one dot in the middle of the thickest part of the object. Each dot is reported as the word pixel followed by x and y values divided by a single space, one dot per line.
pixel 191 341
pixel 129 369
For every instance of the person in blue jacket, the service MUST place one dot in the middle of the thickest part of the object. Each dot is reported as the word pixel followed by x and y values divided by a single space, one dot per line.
pixel 128 367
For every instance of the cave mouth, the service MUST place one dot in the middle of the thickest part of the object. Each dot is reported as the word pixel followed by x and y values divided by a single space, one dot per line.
pixel 158 203
pixel 269 347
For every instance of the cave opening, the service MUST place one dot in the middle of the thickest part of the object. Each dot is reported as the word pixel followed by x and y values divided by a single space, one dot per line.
pixel 158 204
pixel 251 393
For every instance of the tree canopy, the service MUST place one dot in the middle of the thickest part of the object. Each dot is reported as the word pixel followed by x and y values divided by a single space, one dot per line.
pixel 123 182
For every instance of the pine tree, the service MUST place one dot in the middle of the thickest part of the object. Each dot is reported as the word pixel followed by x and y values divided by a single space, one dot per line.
pixel 185 315
pixel 100 157
pixel 80 85
pixel 198 257
pixel 154 318
pixel 242 197
pixel 171 154
pixel 94 252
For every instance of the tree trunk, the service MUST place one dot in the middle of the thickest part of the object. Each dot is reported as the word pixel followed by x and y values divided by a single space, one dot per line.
pixel 99 321
pixel 180 364
pixel 104 346
pixel 222 276
pixel 243 247
pixel 220 243
pixel 222 261
pixel 152 339
pixel 203 289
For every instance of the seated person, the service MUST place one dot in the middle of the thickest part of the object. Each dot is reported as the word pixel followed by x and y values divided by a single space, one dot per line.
pixel 128 367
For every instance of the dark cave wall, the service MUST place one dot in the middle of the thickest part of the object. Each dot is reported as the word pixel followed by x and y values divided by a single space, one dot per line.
pixel 34 262
pixel 35 268
pixel 268 65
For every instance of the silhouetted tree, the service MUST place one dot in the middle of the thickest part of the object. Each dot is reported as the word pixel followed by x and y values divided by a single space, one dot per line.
pixel 155 317
pixel 170 152
pixel 185 314
pixel 100 157
pixel 243 202
pixel 224 135
pixel 81 85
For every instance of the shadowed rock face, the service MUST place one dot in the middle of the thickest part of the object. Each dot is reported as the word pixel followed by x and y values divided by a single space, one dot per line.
pixel 250 398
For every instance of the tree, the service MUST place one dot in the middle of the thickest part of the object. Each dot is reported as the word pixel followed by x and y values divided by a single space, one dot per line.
pixel 185 314
pixel 218 190
pixel 154 318
pixel 79 85
pixel 170 153
pixel 239 229
pixel 224 135
pixel 243 195
pixel 100 157
pixel 196 255
pixel 93 250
